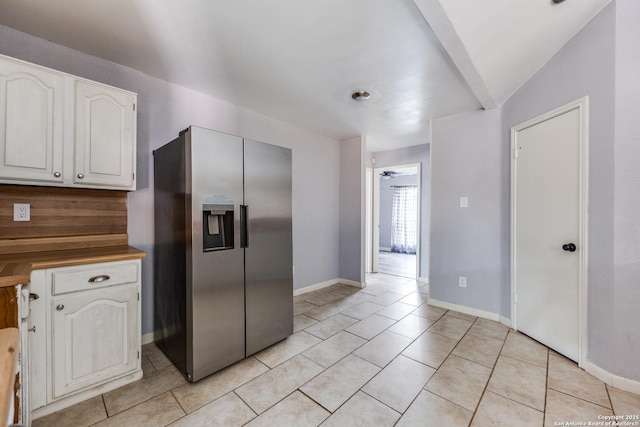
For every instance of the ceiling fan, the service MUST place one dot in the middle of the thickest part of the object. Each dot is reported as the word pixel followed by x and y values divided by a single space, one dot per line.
pixel 389 174
pixel 392 174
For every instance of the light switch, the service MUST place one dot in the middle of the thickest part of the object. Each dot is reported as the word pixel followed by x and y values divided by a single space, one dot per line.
pixel 464 202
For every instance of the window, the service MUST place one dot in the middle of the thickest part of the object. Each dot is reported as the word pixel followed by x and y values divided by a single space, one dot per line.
pixel 404 219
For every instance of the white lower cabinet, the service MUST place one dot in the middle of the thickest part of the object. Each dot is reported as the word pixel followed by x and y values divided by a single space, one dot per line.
pixel 92 340
pixel 93 337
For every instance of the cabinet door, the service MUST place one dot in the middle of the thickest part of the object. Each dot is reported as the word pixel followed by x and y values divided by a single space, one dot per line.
pixel 94 337
pixel 37 330
pixel 104 137
pixel 31 123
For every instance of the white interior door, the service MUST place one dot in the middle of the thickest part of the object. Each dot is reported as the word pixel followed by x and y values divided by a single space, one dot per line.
pixel 547 229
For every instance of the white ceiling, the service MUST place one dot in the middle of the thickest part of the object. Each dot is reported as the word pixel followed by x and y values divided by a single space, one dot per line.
pixel 299 61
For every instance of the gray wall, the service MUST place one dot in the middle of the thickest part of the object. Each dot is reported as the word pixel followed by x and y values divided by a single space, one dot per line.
pixel 403 156
pixel 386 204
pixel 472 150
pixel 163 110
pixel 626 313
pixel 468 159
pixel 586 66
pixel 351 210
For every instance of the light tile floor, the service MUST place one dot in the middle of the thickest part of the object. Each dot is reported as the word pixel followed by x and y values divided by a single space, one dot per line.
pixel 368 357
pixel 397 264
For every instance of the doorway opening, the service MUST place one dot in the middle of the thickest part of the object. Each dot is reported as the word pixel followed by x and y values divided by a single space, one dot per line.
pixel 395 222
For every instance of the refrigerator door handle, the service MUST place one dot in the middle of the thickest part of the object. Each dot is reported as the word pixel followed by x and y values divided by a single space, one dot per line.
pixel 244 227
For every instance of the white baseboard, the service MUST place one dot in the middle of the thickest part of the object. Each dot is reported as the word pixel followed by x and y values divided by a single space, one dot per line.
pixel 613 380
pixel 506 322
pixel 148 338
pixel 328 283
pixel 607 377
pixel 314 287
pixel 352 283
pixel 464 309
pixel 424 281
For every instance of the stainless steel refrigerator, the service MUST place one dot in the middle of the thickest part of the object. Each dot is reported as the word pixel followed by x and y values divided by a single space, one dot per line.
pixel 223 276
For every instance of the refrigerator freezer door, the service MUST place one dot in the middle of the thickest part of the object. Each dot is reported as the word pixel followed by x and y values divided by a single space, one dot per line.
pixel 171 235
pixel 215 306
pixel 268 255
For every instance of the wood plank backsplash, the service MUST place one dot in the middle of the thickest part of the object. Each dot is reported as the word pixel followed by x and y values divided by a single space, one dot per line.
pixel 59 211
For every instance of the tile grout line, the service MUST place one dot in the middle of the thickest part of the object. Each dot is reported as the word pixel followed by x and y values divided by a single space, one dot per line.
pixel 518 360
pixel 243 401
pixel 383 403
pixel 104 404
pixel 546 389
pixel 351 353
pixel 473 415
pixel 581 399
pixel 606 386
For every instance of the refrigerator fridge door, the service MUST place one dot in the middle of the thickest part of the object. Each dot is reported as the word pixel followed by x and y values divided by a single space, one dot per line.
pixel 268 252
pixel 215 302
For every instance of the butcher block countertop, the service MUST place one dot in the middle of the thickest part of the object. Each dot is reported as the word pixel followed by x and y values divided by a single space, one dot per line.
pixel 16 268
pixel 9 341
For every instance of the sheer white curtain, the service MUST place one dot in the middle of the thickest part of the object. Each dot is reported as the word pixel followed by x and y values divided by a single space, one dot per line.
pixel 404 219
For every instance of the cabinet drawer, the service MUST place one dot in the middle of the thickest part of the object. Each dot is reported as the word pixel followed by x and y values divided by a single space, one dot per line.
pixel 93 278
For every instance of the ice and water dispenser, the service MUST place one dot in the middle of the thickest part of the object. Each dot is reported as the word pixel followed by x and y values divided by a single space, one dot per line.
pixel 217 224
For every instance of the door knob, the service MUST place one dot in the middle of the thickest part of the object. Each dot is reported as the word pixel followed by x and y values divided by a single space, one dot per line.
pixel 569 247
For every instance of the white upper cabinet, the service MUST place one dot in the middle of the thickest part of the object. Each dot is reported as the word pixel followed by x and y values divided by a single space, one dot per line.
pixel 58 129
pixel 105 123
pixel 31 123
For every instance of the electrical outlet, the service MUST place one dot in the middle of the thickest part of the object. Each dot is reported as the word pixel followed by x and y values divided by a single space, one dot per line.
pixel 21 212
pixel 464 202
pixel 462 281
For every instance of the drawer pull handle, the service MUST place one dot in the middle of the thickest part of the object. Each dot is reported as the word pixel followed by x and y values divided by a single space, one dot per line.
pixel 98 279
pixel 60 307
pixel 33 297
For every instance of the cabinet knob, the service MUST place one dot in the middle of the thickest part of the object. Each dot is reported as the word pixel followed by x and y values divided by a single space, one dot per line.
pixel 56 174
pixel 80 176
pixel 60 307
